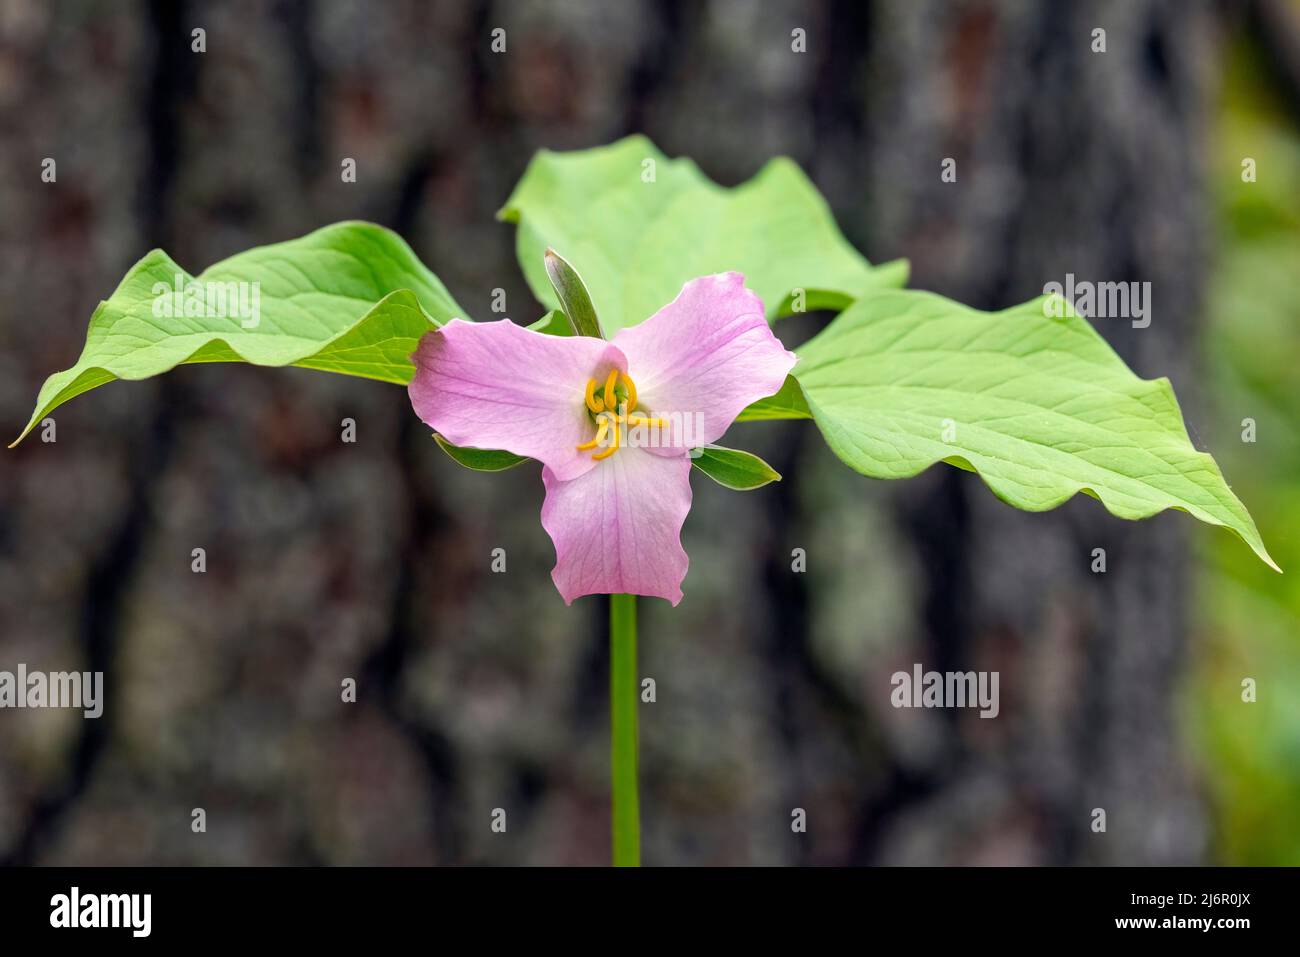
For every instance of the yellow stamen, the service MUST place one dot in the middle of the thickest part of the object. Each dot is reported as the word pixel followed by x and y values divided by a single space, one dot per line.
pixel 600 437
pixel 593 403
pixel 598 456
pixel 611 400
pixel 610 414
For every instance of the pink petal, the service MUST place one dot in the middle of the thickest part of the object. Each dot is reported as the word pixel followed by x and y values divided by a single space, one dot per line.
pixel 710 351
pixel 617 529
pixel 496 385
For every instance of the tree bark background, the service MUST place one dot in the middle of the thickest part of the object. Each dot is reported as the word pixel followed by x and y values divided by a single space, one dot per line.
pixel 371 560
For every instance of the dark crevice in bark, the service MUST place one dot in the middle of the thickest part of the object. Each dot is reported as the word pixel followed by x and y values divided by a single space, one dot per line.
pixel 940 526
pixel 113 571
pixel 383 669
pixel 108 583
pixel 658 62
pixel 425 523
pixel 297 16
pixel 1274 28
pixel 837 89
pixel 590 698
pixel 172 83
pixel 479 64
pixel 901 789
pixel 404 212
pixel 789 659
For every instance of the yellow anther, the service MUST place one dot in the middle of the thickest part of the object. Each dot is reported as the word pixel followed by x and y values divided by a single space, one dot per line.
pixel 613 447
pixel 593 403
pixel 610 414
pixel 600 436
pixel 611 400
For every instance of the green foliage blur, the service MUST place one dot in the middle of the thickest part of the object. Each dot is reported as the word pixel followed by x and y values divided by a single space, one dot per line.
pixel 1248 617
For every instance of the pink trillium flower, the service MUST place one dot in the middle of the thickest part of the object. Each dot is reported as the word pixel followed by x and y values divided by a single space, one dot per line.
pixel 611 422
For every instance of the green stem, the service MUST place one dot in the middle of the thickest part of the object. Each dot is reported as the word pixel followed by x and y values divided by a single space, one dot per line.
pixel 624 692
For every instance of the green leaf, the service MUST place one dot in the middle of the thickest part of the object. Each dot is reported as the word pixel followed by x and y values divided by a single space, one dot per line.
pixel 789 403
pixel 554 323
pixel 733 468
pixel 572 295
pixel 480 460
pixel 741 471
pixel 1040 407
pixel 350 298
pixel 638 225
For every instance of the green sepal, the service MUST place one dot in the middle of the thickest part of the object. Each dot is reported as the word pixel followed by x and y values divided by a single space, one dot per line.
pixel 480 460
pixel 733 468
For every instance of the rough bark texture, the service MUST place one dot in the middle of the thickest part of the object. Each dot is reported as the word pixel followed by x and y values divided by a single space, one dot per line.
pixel 371 560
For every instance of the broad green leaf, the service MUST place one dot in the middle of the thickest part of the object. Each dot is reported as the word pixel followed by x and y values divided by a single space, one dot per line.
pixel 350 298
pixel 789 403
pixel 480 460
pixel 1040 407
pixel 554 323
pixel 637 225
pixel 733 468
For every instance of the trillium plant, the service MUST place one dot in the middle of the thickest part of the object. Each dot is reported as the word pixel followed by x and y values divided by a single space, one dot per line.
pixel 663 288
pixel 615 447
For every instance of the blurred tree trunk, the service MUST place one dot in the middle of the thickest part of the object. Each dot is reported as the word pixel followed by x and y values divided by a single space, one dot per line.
pixel 370 560
pixel 1069 161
